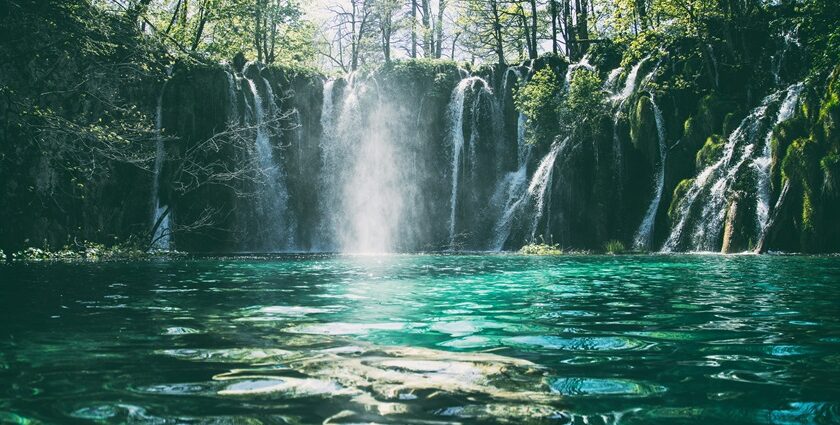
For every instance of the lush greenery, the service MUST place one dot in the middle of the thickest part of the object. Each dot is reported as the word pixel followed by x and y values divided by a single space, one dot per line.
pixel 80 81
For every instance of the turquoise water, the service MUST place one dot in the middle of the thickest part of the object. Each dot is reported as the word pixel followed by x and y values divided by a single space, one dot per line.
pixel 423 340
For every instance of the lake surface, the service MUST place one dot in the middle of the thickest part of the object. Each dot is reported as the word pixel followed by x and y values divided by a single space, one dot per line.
pixel 423 340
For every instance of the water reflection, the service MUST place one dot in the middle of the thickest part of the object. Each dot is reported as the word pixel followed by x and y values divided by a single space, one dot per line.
pixel 423 339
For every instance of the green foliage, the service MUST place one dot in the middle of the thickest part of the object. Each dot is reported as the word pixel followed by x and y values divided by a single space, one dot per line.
pixel 539 100
pixel 541 249
pixel 711 151
pixel 2 256
pixel 585 104
pixel 614 247
pixel 817 21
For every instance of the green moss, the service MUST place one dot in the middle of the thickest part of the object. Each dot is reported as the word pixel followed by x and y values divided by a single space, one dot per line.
pixel 807 215
pixel 710 152
pixel 783 135
pixel 830 117
pixel 679 194
pixel 830 166
pixel 799 164
pixel 643 133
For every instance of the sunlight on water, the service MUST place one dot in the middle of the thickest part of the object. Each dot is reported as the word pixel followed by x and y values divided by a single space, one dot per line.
pixel 423 339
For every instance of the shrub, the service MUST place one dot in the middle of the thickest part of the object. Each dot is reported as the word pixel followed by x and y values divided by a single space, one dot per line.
pixel 614 247
pixel 541 249
pixel 539 101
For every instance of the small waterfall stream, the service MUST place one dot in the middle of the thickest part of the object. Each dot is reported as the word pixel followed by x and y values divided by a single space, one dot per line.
pixel 278 230
pixel 161 240
pixel 644 235
pixel 508 193
pixel 541 182
pixel 762 163
pixel 455 117
pixel 702 209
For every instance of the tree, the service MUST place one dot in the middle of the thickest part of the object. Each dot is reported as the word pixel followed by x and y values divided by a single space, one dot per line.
pixel 386 10
pixel 484 22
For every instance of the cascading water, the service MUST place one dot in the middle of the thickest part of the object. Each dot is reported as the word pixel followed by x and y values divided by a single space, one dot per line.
pixel 455 117
pixel 368 176
pixel 570 71
pixel 508 193
pixel 702 209
pixel 278 229
pixel 161 239
pixel 762 163
pixel 644 235
pixel 233 102
pixel 541 182
pixel 629 84
pixel 619 101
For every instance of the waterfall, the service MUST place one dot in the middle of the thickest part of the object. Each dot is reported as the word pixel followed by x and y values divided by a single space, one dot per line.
pixel 509 192
pixel 762 163
pixel 778 59
pixel 541 183
pixel 326 146
pixel 570 71
pixel 455 117
pixel 702 209
pixel 619 101
pixel 644 236
pixel 629 84
pixel 612 79
pixel 367 178
pixel 161 239
pixel 278 229
pixel 233 101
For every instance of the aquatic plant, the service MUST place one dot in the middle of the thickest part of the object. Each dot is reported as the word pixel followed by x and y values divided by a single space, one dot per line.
pixel 614 247
pixel 541 249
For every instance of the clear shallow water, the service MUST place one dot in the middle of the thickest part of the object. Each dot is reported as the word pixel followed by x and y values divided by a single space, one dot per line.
pixel 423 339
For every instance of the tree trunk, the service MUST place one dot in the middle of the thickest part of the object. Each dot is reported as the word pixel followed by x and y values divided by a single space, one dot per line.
pixel 258 30
pixel 427 33
pixel 413 28
pixel 203 14
pixel 533 52
pixel 568 32
pixel 439 29
pixel 497 31
pixel 582 17
pixel 554 17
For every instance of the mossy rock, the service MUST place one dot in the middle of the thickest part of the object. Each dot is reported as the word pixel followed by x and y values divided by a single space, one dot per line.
pixel 694 133
pixel 679 194
pixel 800 163
pixel 830 166
pixel 829 117
pixel 731 121
pixel 643 134
pixel 783 135
pixel 710 152
pixel 712 112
